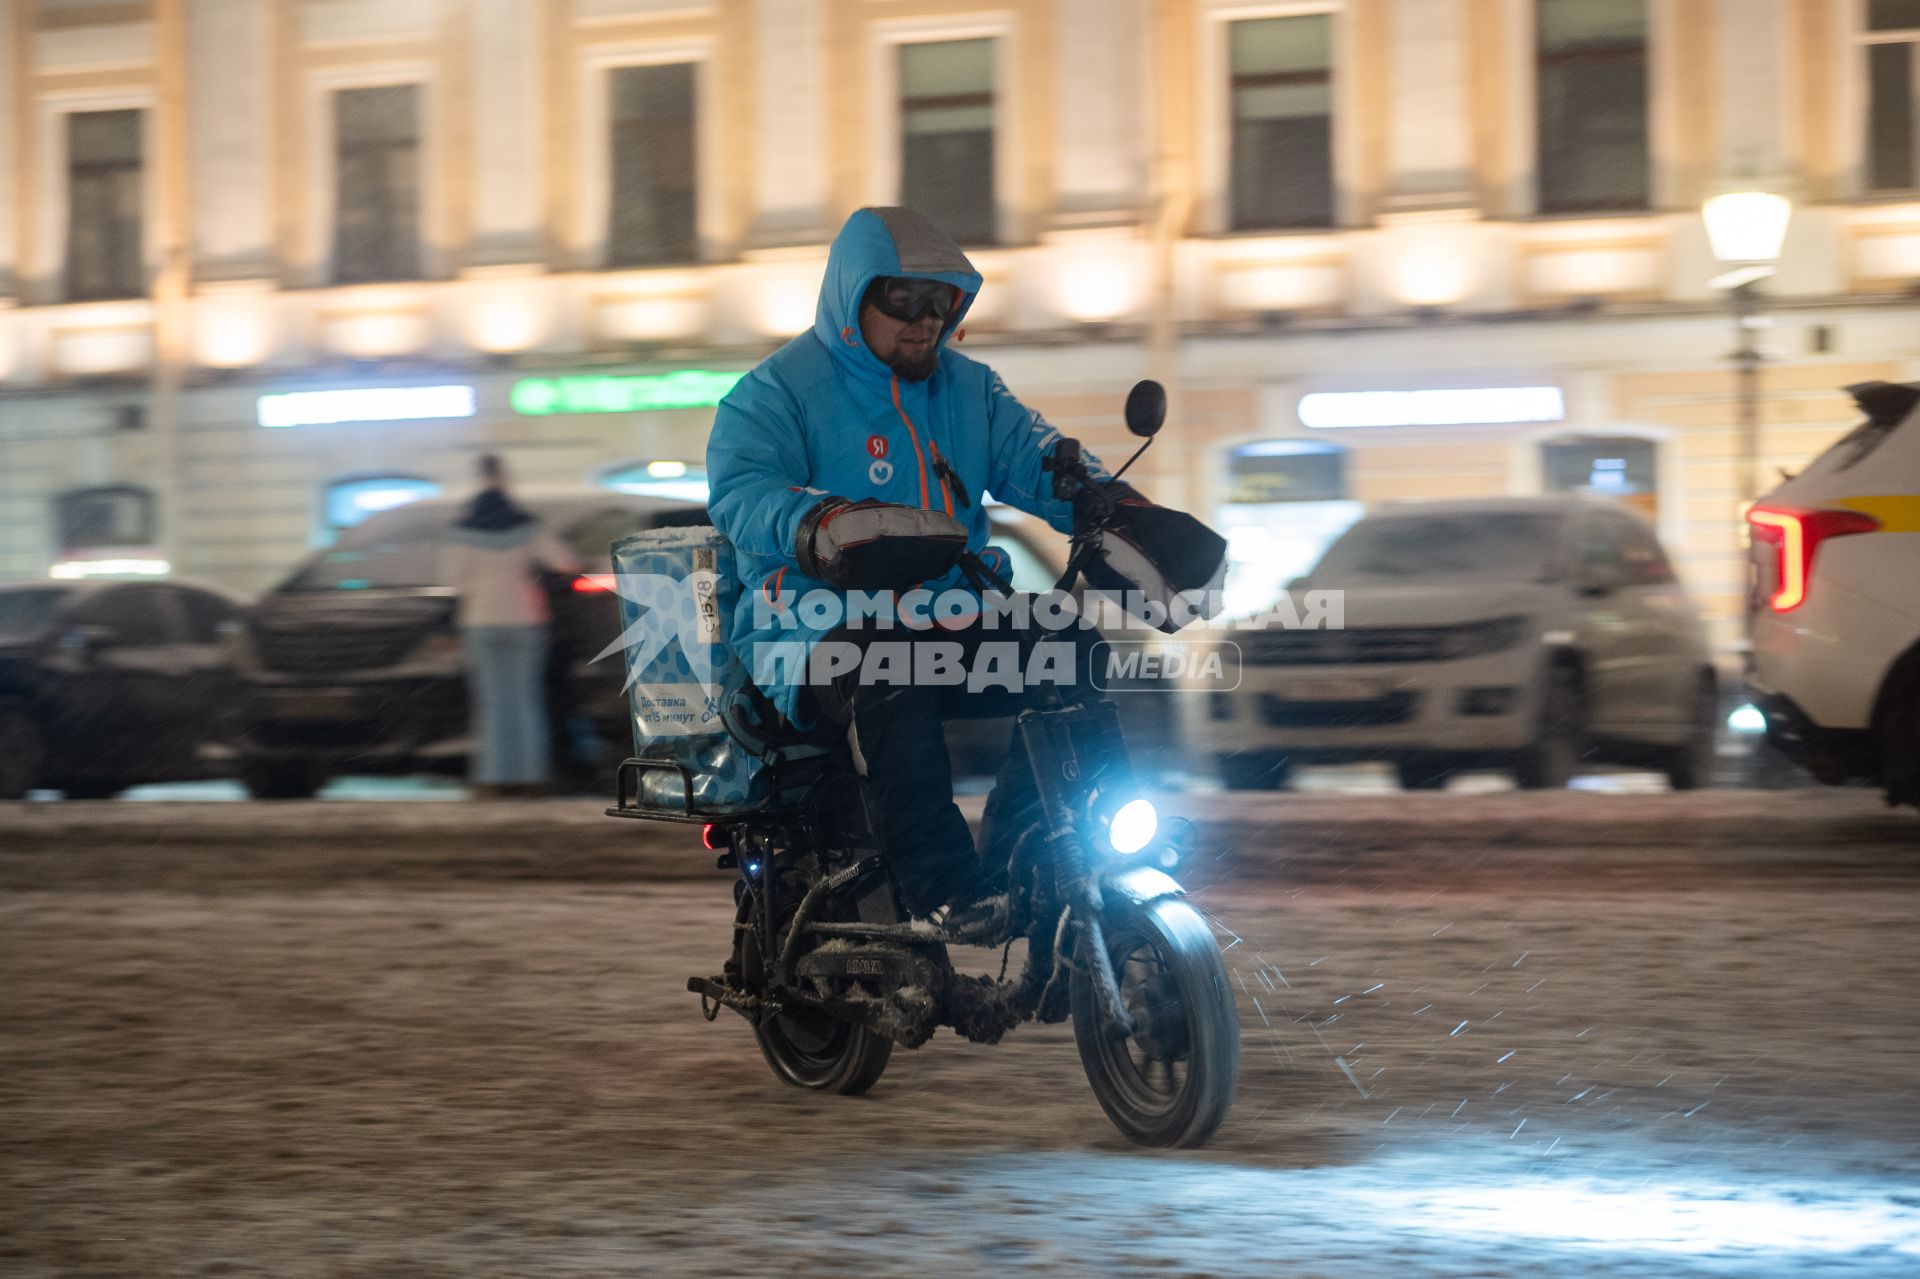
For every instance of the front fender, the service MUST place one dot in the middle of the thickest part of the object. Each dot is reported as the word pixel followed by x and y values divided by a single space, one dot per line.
pixel 1141 885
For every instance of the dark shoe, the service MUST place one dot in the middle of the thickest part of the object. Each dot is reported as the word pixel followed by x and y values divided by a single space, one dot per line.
pixel 929 880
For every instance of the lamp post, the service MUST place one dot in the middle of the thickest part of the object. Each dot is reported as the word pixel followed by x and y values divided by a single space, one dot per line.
pixel 1746 229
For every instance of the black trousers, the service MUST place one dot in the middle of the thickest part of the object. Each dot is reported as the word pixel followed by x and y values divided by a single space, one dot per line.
pixel 897 698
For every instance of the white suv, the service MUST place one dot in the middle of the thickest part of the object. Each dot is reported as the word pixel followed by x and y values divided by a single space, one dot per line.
pixel 1530 634
pixel 1834 607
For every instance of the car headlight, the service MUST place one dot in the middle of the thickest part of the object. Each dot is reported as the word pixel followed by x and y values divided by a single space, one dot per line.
pixel 1133 826
pixel 1488 637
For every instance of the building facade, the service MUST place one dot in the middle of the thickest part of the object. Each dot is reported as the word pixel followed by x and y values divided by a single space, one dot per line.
pixel 268 264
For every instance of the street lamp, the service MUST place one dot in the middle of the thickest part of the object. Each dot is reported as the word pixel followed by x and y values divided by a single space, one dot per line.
pixel 1746 229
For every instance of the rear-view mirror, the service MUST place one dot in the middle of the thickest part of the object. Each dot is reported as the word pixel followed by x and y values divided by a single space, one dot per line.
pixel 1146 409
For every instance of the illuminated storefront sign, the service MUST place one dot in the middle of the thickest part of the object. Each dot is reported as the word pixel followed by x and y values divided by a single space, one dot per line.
pixel 1471 406
pixel 630 393
pixel 365 404
pixel 130 566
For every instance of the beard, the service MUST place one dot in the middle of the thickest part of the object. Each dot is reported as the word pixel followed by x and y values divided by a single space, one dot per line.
pixel 915 368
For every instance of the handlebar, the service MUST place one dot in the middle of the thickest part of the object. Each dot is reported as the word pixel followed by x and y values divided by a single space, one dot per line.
pixel 1071 481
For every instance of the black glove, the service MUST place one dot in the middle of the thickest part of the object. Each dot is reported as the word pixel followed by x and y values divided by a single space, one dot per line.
pixel 877 546
pixel 1157 555
pixel 1087 506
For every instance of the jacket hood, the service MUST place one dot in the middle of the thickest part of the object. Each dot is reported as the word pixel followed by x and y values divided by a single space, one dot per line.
pixel 876 242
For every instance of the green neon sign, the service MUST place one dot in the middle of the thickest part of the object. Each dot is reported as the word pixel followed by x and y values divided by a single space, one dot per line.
pixel 635 393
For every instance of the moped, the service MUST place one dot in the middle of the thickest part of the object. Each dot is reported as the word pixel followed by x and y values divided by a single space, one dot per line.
pixel 832 975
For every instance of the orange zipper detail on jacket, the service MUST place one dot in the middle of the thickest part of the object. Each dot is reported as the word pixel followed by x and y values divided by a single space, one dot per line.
pixel 926 501
pixel 944 469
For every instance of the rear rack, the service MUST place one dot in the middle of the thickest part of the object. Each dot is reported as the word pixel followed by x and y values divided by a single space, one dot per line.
pixel 783 777
pixel 627 789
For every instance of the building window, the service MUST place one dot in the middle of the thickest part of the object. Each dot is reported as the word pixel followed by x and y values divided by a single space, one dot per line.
pixel 104 257
pixel 104 518
pixel 1282 95
pixel 652 218
pixel 1592 80
pixel 1892 161
pixel 946 136
pixel 1287 471
pixel 376 233
pixel 1623 468
pixel 1287 500
pixel 344 503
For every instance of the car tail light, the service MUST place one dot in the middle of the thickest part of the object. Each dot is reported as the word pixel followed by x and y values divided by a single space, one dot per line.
pixel 441 644
pixel 592 583
pixel 1795 537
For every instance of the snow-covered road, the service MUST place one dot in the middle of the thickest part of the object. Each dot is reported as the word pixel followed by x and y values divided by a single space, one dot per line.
pixel 1483 1035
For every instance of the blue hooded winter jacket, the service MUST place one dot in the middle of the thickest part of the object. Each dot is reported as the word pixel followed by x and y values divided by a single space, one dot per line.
pixel 823 416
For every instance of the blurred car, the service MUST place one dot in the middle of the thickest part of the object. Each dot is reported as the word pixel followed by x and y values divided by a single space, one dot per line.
pixel 1834 604
pixel 353 664
pixel 1530 634
pixel 105 685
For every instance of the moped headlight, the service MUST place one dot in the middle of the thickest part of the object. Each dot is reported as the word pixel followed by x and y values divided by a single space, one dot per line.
pixel 1133 826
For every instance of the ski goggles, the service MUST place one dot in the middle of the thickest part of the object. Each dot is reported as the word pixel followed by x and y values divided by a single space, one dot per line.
pixel 908 298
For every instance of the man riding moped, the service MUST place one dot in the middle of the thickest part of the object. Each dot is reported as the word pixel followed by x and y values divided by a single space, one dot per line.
pixel 858 458
pixel 850 574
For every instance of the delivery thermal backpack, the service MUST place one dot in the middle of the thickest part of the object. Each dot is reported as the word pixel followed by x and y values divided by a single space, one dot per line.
pixel 678 589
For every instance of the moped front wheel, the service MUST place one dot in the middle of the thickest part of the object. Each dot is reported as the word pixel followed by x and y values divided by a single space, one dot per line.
pixel 1171 1080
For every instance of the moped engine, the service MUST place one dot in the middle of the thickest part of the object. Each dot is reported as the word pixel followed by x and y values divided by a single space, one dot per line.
pixel 894 990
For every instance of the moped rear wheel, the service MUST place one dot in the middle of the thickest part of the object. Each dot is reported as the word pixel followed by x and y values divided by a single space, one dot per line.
pixel 1171 1081
pixel 809 1049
